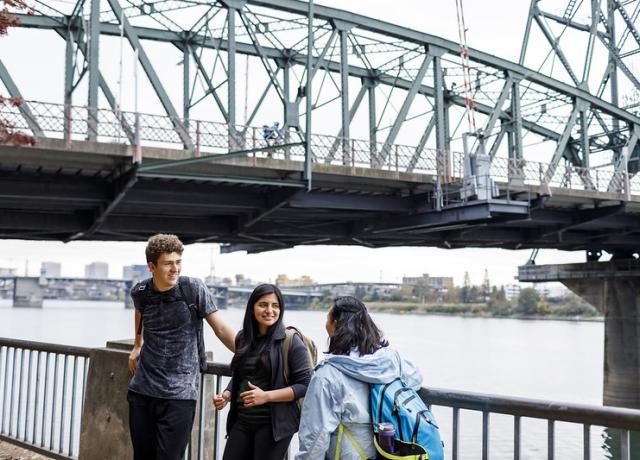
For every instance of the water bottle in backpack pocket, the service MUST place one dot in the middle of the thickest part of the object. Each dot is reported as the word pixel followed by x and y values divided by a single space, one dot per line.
pixel 398 408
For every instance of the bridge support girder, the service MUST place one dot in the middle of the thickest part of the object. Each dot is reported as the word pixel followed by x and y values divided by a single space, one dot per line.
pixel 613 288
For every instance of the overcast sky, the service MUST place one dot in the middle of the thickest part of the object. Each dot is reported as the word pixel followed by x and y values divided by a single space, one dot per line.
pixel 494 26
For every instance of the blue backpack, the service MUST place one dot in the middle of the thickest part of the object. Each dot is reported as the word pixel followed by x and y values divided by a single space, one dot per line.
pixel 417 436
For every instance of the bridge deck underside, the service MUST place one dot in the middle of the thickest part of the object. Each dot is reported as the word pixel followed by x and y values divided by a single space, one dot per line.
pixel 262 204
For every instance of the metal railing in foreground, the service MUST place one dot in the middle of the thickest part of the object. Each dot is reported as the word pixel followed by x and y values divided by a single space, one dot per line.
pixel 43 386
pixel 627 421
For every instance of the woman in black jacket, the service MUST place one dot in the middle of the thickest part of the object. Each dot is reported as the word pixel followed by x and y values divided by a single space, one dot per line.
pixel 263 415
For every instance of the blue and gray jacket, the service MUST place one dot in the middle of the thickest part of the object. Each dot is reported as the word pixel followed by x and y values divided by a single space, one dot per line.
pixel 339 393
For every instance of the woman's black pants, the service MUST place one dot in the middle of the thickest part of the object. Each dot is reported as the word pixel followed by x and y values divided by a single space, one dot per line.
pixel 249 441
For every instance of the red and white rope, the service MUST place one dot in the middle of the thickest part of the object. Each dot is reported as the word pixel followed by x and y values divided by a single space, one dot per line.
pixel 466 68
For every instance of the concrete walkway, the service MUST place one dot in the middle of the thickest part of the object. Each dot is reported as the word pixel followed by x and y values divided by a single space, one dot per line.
pixel 10 452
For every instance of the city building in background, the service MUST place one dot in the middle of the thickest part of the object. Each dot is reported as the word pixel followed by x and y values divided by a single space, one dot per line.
pixel 440 283
pixel 50 269
pixel 415 280
pixel 135 272
pixel 243 281
pixel 512 291
pixel 304 280
pixel 96 270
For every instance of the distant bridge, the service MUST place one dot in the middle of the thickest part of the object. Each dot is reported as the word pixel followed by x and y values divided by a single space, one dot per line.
pixel 31 291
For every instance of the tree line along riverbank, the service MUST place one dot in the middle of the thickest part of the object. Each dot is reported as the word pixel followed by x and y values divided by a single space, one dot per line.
pixel 529 304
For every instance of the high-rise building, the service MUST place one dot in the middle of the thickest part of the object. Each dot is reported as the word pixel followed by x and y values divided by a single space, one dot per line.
pixel 440 283
pixel 512 291
pixel 415 280
pixel 135 272
pixel 96 270
pixel 50 269
pixel 6 271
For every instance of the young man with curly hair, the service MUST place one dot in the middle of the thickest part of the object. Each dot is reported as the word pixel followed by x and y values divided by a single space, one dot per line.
pixel 169 310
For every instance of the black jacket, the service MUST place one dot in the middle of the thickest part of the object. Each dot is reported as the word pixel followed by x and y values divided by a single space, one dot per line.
pixel 285 417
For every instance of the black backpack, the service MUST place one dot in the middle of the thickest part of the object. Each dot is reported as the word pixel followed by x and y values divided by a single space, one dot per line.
pixel 141 291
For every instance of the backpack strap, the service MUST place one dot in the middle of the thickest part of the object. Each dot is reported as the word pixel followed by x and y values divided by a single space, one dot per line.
pixel 141 292
pixel 288 342
pixel 190 297
pixel 343 430
pixel 186 291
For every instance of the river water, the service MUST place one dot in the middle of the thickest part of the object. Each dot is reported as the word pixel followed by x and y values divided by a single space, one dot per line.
pixel 551 360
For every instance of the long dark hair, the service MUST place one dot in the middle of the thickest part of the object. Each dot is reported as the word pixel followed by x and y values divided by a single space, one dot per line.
pixel 248 336
pixel 354 328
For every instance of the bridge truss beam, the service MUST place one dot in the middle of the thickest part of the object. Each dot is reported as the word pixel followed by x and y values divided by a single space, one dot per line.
pixel 367 50
pixel 412 128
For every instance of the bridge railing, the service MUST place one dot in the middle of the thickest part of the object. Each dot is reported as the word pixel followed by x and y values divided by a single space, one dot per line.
pixel 199 137
pixel 43 386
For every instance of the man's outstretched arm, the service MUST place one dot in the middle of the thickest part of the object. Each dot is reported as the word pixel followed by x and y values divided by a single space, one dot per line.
pixel 222 330
pixel 137 343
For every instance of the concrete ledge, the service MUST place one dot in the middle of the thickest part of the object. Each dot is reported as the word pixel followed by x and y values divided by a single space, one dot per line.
pixel 104 431
pixel 105 420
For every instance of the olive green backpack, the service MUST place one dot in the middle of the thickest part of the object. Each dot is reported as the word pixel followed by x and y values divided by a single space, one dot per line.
pixel 312 351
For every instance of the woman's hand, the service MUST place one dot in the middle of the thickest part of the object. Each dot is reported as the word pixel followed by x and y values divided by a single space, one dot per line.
pixel 221 400
pixel 254 396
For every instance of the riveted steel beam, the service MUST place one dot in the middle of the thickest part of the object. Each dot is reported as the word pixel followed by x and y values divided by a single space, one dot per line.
pixel 439 106
pixel 69 85
pixel 131 34
pixel 516 151
pixel 210 88
pixel 560 150
pixel 406 105
pixel 553 41
pixel 449 47
pixel 352 113
pixel 94 63
pixel 23 108
pixel 423 141
pixel 621 172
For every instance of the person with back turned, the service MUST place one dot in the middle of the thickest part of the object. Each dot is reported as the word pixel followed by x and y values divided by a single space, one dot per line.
pixel 338 398
pixel 165 362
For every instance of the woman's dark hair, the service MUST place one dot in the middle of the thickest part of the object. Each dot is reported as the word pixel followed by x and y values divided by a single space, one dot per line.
pixel 354 328
pixel 248 337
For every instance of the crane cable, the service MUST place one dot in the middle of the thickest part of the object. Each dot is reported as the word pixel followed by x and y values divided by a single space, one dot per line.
pixel 466 69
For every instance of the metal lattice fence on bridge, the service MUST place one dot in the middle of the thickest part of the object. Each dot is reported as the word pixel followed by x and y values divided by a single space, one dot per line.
pixel 196 138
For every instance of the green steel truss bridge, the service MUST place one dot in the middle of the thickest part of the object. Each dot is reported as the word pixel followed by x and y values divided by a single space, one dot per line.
pixel 156 124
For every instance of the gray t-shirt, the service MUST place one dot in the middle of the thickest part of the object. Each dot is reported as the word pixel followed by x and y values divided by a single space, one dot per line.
pixel 168 367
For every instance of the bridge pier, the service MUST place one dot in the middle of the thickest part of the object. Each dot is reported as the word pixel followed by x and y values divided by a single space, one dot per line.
pixel 613 288
pixel 28 292
pixel 128 301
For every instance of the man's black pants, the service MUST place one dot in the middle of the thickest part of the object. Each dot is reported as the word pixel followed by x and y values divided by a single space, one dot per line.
pixel 248 441
pixel 160 428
